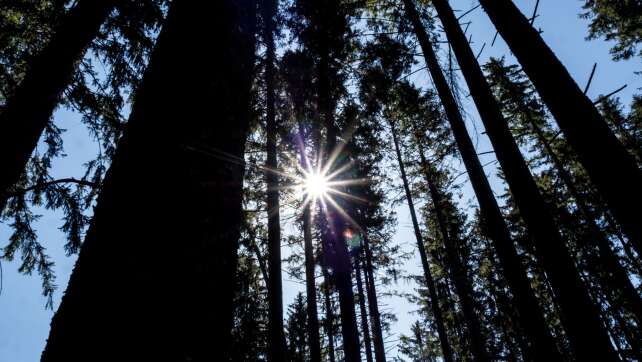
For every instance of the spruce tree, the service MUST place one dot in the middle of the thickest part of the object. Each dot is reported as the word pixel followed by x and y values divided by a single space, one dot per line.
pixel 179 166
pixel 611 168
pixel 275 287
pixel 27 111
pixel 493 219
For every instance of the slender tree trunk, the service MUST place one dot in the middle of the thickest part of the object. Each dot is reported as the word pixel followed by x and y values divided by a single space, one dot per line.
pixel 28 110
pixel 276 350
pixel 476 337
pixel 455 264
pixel 373 304
pixel 364 314
pixel 531 317
pixel 612 169
pixel 311 288
pixel 329 315
pixel 580 316
pixel 156 273
pixel 261 260
pixel 335 248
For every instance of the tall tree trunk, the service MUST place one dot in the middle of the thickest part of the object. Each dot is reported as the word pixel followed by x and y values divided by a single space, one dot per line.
pixel 335 248
pixel 28 110
pixel 367 343
pixel 311 288
pixel 169 214
pixel 531 317
pixel 454 262
pixel 612 169
pixel 329 314
pixel 373 304
pixel 276 349
pixel 580 317
pixel 476 337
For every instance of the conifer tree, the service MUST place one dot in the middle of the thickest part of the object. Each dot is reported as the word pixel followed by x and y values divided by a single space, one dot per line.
pixel 579 315
pixel 275 287
pixel 325 37
pixel 520 104
pixel 296 77
pixel 27 111
pixel 297 330
pixel 119 284
pixel 494 224
pixel 616 20
pixel 430 283
pixel 249 334
pixel 611 168
pixel 121 49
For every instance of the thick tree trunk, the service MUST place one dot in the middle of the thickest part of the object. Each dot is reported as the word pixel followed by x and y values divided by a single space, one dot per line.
pixel 580 317
pixel 531 317
pixel 373 304
pixel 276 349
pixel 612 169
pixel 28 110
pixel 311 288
pixel 367 342
pixel 329 314
pixel 156 273
pixel 476 337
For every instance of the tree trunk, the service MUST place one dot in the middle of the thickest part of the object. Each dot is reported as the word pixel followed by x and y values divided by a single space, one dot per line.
pixel 531 317
pixel 334 244
pixel 156 273
pixel 311 288
pixel 373 304
pixel 476 337
pixel 28 110
pixel 612 169
pixel 456 268
pixel 329 315
pixel 367 343
pixel 580 316
pixel 276 349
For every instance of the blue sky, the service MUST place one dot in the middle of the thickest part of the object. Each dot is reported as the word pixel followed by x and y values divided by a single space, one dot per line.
pixel 24 322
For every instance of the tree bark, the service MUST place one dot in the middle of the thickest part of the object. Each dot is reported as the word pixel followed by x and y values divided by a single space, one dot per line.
pixel 373 304
pixel 276 349
pixel 580 317
pixel 156 273
pixel 531 317
pixel 329 315
pixel 611 168
pixel 334 244
pixel 311 288
pixel 476 337
pixel 367 342
pixel 28 110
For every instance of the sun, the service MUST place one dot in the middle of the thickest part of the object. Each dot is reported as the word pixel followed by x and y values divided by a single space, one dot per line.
pixel 316 185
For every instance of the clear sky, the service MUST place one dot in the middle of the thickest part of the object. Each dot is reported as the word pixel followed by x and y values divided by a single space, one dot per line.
pixel 24 322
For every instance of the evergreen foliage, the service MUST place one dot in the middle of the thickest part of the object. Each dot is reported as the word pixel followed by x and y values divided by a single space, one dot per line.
pixel 252 160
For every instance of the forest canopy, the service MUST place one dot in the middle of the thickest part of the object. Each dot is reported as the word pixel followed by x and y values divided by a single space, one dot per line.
pixel 250 165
